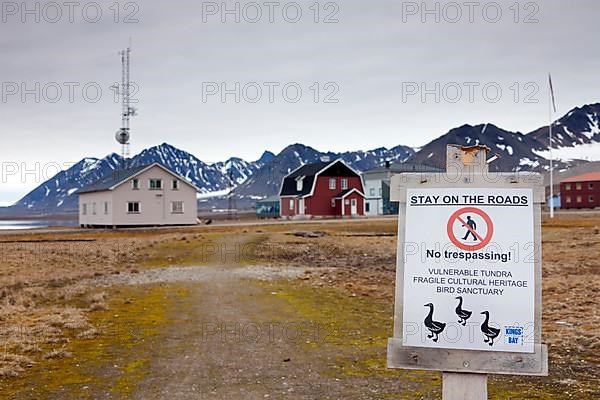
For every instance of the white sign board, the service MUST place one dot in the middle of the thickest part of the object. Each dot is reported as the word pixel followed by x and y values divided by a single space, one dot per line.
pixel 469 269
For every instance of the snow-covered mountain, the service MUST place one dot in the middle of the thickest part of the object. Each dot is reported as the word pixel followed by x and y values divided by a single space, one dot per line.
pixel 515 149
pixel 254 179
pixel 57 193
pixel 267 180
pixel 239 171
pixel 576 138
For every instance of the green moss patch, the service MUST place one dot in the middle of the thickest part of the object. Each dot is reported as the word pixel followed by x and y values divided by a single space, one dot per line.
pixel 114 363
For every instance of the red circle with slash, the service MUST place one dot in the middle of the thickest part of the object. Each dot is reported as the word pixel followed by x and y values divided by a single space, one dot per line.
pixel 483 241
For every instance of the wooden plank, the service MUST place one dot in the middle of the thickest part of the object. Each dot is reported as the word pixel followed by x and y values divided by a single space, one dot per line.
pixel 464 386
pixel 469 361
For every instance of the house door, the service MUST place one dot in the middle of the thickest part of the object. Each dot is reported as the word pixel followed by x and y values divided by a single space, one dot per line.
pixel 301 207
pixel 160 205
pixel 353 207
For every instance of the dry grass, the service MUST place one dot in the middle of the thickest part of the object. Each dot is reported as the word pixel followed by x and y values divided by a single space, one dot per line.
pixel 45 296
pixel 365 266
pixel 41 311
pixel 57 353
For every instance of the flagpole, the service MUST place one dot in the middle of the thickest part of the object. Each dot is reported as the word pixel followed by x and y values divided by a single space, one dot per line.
pixel 551 155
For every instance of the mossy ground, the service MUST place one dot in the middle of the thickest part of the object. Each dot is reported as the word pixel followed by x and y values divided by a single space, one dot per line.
pixel 354 324
pixel 357 329
pixel 116 361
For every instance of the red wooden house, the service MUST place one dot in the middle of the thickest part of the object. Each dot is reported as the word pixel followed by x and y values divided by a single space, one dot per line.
pixel 581 191
pixel 323 189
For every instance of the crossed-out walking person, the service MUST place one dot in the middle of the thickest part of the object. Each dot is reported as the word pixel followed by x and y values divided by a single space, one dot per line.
pixel 473 227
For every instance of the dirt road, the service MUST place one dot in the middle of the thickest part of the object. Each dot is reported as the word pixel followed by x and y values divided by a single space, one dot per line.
pixel 253 313
pixel 228 333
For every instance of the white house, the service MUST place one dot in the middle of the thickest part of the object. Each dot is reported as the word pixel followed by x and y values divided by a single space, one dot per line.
pixel 377 186
pixel 149 195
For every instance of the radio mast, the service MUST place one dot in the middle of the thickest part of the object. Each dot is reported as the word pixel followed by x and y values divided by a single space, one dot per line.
pixel 123 134
pixel 231 203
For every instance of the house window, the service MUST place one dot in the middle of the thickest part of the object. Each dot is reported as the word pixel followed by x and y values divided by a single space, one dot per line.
pixel 579 199
pixel 568 199
pixel 372 191
pixel 94 208
pixel 591 199
pixel 332 183
pixel 379 192
pixel 568 186
pixel 344 184
pixel 291 204
pixel 133 207
pixel 175 184
pixel 177 207
pixel 578 186
pixel 590 185
pixel 84 209
pixel 155 184
pixel 367 207
pixel 135 184
pixel 106 208
pixel 299 182
pixel 333 203
pixel 346 202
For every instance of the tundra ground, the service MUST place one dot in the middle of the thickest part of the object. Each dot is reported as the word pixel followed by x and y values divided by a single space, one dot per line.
pixel 271 311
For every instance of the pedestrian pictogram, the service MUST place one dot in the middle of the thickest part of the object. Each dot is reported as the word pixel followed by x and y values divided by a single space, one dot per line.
pixel 470 229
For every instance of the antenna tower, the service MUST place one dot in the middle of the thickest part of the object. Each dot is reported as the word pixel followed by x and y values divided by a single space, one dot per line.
pixel 231 207
pixel 123 134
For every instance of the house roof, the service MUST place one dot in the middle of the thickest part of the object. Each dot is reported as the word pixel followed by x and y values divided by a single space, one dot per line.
pixel 309 172
pixel 346 192
pixel 271 199
pixel 405 167
pixel 590 176
pixel 113 180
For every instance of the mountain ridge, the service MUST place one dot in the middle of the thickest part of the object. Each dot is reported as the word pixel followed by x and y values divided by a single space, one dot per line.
pixel 261 178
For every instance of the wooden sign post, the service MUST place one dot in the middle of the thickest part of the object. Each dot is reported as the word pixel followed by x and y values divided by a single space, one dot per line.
pixel 468 275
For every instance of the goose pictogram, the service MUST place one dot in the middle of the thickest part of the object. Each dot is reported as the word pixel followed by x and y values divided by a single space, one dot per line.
pixel 434 327
pixel 488 331
pixel 464 315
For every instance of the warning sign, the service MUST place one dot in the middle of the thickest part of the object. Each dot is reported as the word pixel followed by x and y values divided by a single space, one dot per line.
pixel 469 269
pixel 481 233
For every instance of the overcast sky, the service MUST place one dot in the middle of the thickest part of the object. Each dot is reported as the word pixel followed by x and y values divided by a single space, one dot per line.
pixel 368 66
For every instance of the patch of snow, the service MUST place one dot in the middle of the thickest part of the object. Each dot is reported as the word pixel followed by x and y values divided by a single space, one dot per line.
pixel 594 128
pixel 588 151
pixel 430 155
pixel 216 193
pixel 71 191
pixel 504 147
pixel 89 165
pixel 527 161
